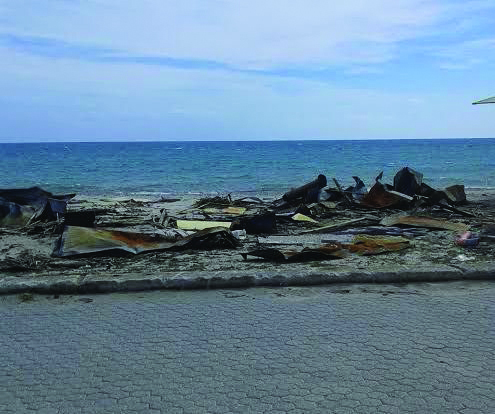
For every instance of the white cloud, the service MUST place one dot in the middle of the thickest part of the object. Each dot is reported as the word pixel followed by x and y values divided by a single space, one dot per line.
pixel 243 33
pixel 70 98
pixel 467 54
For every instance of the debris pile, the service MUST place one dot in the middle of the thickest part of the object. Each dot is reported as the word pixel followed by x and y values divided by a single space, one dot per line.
pixel 22 207
pixel 311 222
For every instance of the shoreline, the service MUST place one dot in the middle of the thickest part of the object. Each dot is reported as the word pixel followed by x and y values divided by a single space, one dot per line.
pixel 473 194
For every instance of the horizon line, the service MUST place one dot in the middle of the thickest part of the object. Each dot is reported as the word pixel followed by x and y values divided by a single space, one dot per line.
pixel 246 140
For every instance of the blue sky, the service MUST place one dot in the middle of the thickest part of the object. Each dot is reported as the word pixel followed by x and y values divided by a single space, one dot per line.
pixel 105 70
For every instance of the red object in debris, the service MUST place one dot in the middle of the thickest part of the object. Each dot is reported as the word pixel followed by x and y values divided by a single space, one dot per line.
pixel 467 239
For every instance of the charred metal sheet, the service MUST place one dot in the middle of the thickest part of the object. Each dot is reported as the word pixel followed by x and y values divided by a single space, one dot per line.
pixel 407 181
pixel 423 221
pixel 259 224
pixel 368 245
pixel 84 241
pixel 13 214
pixel 357 191
pixel 83 218
pixel 325 252
pixel 456 194
pixel 39 204
pixel 380 197
pixel 33 196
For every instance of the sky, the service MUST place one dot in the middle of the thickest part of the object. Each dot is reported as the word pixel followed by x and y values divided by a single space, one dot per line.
pixel 149 70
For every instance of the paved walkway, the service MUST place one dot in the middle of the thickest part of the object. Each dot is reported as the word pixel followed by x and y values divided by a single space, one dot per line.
pixel 329 349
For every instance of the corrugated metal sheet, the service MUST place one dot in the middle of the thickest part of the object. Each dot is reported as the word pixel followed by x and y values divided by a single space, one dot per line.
pixel 80 241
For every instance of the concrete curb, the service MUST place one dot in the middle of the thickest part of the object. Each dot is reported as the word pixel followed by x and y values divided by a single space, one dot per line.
pixel 224 280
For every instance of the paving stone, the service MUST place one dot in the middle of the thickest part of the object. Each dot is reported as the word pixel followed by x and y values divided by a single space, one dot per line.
pixel 310 350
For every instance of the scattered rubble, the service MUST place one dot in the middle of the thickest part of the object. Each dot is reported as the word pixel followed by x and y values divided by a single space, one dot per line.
pixel 312 223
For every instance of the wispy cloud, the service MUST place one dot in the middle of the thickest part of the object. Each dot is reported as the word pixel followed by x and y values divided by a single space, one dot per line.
pixel 48 47
pixel 198 69
pixel 245 34
pixel 467 54
pixel 54 48
pixel 57 49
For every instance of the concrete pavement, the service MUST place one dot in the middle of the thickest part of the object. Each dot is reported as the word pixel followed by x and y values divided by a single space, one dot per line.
pixel 419 348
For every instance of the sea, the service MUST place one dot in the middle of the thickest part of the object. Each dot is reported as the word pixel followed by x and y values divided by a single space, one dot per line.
pixel 157 169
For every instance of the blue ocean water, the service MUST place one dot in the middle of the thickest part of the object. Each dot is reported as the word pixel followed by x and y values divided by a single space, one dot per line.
pixel 264 167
